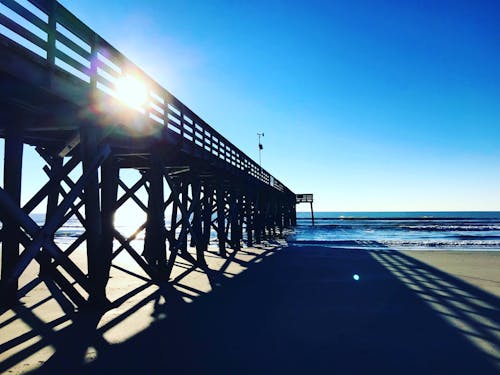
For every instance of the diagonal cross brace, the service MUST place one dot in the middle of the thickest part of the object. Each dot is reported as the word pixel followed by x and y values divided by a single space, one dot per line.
pixel 42 236
pixel 184 214
pixel 49 186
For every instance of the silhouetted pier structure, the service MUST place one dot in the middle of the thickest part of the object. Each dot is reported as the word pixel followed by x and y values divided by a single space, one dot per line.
pixel 90 113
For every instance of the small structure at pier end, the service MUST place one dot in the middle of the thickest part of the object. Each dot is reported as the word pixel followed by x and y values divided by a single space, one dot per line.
pixel 306 198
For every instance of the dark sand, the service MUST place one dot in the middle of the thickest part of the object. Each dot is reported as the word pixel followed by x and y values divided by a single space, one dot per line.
pixel 291 311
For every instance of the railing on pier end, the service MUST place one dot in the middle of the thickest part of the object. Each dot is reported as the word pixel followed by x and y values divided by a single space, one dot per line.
pixel 306 198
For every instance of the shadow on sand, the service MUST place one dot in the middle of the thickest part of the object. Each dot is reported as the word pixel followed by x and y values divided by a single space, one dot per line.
pixel 301 311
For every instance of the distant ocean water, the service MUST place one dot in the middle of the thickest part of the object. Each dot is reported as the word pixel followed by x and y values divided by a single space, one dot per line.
pixel 400 230
pixel 395 230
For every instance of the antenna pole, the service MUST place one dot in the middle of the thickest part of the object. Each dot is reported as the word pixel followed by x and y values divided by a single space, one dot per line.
pixel 260 149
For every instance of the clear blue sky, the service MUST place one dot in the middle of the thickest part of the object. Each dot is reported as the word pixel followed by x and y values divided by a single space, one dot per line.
pixel 370 105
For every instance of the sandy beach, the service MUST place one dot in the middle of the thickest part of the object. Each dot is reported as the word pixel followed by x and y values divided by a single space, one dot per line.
pixel 479 268
pixel 273 309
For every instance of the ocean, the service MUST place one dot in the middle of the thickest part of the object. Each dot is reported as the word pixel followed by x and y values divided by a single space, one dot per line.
pixel 400 230
pixel 367 230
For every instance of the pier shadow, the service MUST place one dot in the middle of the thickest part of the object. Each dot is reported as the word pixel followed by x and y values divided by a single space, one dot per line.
pixel 299 310
pixel 71 338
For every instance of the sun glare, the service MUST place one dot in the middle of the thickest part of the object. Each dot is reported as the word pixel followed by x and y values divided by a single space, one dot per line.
pixel 131 91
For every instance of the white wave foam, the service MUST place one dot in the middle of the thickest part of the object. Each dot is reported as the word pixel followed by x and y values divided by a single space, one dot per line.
pixel 443 243
pixel 452 227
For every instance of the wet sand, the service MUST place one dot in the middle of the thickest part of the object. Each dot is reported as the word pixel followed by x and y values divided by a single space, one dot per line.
pixel 274 309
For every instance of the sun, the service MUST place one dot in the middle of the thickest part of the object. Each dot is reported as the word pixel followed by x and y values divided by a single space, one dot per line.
pixel 131 91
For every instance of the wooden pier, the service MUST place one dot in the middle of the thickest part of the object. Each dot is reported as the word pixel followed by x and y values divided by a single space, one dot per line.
pixel 91 114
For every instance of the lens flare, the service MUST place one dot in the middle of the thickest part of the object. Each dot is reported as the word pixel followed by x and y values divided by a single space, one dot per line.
pixel 131 91
pixel 355 277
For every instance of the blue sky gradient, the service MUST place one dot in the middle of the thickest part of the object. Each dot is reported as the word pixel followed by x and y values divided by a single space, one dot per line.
pixel 370 105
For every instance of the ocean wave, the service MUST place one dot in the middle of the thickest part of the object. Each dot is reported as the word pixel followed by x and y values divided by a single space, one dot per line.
pixel 475 244
pixel 334 242
pixel 443 243
pixel 69 233
pixel 478 237
pixel 459 228
pixel 398 218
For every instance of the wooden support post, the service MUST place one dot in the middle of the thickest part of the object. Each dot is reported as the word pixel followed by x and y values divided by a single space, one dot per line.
pixel 234 213
pixel 240 217
pixel 312 214
pixel 267 219
pixel 207 213
pixel 221 218
pixel 184 202
pixel 258 219
pixel 198 238
pixel 93 227
pixel 290 212
pixel 154 243
pixel 249 218
pixel 13 163
pixel 56 164
pixel 109 191
pixel 281 217
pixel 286 214
pixel 274 217
pixel 173 221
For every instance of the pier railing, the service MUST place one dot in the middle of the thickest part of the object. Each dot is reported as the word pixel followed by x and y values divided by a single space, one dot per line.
pixel 55 38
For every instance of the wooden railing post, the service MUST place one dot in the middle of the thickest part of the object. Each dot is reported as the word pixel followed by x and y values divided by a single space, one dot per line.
pixel 51 39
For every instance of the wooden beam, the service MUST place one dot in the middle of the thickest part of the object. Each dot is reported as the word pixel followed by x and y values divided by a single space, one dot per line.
pixel 13 163
pixel 208 193
pixel 154 242
pixel 221 218
pixel 250 219
pixel 197 225
pixel 109 191
pixel 93 227
pixel 56 165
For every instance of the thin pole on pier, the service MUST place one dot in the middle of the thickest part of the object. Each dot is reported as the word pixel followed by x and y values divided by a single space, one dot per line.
pixel 312 213
pixel 13 164
pixel 260 149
